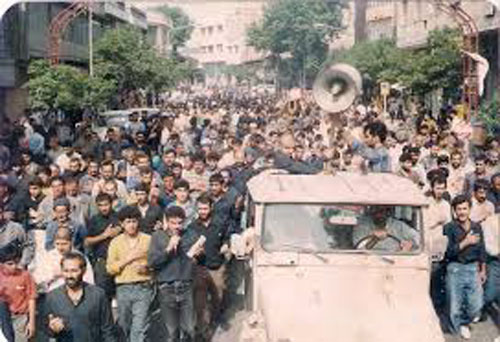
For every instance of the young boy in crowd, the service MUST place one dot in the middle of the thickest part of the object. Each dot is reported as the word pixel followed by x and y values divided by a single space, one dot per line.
pixel 18 290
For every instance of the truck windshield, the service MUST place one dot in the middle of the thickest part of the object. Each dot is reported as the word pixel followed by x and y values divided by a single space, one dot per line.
pixel 331 228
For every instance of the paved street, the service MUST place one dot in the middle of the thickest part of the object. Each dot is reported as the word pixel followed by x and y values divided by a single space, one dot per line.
pixel 481 332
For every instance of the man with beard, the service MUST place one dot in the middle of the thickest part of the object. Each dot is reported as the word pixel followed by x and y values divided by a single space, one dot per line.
pixel 172 255
pixel 379 231
pixel 478 173
pixel 101 229
pixel 457 173
pixel 481 207
pixel 87 181
pixel 78 311
pixel 210 274
pixel 107 174
pixel 436 215
pixel 406 169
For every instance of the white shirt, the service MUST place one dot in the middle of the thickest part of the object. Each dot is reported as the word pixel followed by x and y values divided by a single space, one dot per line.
pixel 481 211
pixel 436 215
pixel 48 275
pixel 491 231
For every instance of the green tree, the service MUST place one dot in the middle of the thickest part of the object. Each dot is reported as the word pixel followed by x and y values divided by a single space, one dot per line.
pixel 65 87
pixel 182 27
pixel 124 57
pixel 301 28
pixel 437 65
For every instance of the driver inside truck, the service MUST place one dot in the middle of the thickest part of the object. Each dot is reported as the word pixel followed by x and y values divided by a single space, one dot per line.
pixel 377 230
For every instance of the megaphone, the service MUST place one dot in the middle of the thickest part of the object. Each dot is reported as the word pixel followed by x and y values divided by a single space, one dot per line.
pixel 336 87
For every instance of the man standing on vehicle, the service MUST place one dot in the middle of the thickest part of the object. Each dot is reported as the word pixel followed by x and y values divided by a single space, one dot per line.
pixel 466 270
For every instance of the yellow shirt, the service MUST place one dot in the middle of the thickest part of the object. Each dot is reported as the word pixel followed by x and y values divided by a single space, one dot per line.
pixel 120 248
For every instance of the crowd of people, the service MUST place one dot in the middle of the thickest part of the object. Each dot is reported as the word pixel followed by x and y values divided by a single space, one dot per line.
pixel 98 225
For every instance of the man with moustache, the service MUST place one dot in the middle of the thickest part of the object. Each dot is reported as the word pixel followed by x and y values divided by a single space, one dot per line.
pixel 466 270
pixel 78 311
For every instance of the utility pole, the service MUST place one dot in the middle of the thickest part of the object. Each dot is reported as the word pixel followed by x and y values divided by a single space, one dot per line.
pixel 91 43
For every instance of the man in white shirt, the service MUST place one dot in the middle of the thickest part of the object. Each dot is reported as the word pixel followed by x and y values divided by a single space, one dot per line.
pixel 457 174
pixel 47 273
pixel 436 215
pixel 481 207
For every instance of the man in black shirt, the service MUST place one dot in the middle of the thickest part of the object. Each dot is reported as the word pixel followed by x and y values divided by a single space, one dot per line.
pixel 78 311
pixel 172 253
pixel 151 214
pixel 102 228
pixel 210 274
pixel 466 270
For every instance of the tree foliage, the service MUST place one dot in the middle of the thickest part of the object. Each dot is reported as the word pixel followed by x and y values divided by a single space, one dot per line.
pixel 124 63
pixel 124 56
pixel 437 65
pixel 65 87
pixel 182 27
pixel 301 28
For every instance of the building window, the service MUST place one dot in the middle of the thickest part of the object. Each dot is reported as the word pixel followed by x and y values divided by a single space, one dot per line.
pixel 210 30
pixel 219 28
pixel 203 31
pixel 219 47
pixel 230 49
pixel 236 49
pixel 203 49
pixel 210 49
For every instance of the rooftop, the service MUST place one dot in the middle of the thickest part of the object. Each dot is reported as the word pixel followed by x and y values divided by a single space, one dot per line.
pixel 343 187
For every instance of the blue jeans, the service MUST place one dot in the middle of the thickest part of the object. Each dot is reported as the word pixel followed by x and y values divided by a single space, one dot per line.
pixel 464 292
pixel 133 305
pixel 6 322
pixel 492 286
pixel 176 304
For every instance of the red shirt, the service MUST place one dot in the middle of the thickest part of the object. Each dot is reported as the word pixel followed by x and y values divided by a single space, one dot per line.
pixel 17 290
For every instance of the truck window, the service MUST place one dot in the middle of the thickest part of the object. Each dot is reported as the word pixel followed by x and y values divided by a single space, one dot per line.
pixel 334 228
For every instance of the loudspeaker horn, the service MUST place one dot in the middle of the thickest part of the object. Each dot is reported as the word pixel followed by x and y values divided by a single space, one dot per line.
pixel 336 87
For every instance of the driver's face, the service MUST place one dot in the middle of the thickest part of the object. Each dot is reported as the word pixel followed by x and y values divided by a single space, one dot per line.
pixel 379 216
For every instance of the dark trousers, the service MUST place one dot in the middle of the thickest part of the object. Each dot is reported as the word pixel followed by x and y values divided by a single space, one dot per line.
pixel 438 286
pixel 208 283
pixel 103 279
pixel 6 322
pixel 176 305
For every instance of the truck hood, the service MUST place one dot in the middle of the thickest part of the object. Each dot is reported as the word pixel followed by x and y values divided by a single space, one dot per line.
pixel 348 303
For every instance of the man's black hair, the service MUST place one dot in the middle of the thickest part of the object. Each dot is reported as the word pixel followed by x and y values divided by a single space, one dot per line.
pixel 377 128
pixel 74 255
pixel 181 183
pixel 216 178
pixel 481 157
pixel 438 179
pixel 142 187
pixel 175 211
pixel 205 199
pixel 481 184
pixel 129 212
pixel 404 157
pixel 459 199
pixel 443 159
pixel 13 251
pixel 35 181
pixel 101 197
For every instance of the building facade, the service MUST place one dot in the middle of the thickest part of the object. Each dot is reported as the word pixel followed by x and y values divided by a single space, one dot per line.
pixel 24 36
pixel 219 33
pixel 409 24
